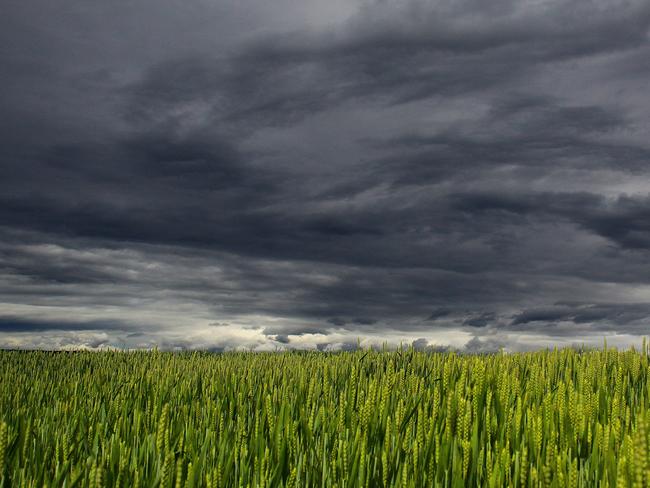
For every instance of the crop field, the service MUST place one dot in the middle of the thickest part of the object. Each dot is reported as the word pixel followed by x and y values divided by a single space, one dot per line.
pixel 561 418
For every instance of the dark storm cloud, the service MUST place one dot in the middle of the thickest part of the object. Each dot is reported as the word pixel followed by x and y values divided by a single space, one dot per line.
pixel 18 324
pixel 336 321
pixel 387 56
pixel 482 346
pixel 625 220
pixel 480 320
pixel 439 313
pixel 528 134
pixel 578 313
pixel 282 338
pixel 399 169
pixel 297 330
pixel 364 321
pixel 337 346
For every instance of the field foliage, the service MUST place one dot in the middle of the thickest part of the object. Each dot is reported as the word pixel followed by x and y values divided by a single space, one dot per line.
pixel 561 418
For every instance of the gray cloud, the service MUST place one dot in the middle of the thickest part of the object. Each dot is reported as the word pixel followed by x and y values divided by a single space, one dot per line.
pixel 463 174
pixel 18 324
pixel 480 320
pixel 478 346
pixel 439 313
pixel 596 316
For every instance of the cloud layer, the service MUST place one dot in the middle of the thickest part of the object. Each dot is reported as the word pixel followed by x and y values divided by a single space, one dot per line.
pixel 246 174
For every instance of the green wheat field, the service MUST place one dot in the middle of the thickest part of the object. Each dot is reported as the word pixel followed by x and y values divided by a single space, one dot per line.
pixel 554 418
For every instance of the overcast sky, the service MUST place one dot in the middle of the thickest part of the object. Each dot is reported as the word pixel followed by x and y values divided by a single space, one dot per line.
pixel 313 174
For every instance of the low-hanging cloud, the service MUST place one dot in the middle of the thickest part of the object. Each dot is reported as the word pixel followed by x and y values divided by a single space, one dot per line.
pixel 435 173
